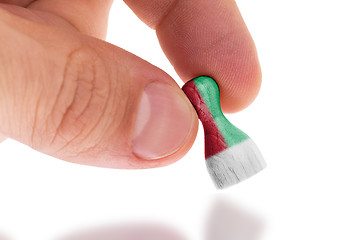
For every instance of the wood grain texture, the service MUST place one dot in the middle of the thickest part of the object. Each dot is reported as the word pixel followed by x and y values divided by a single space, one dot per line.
pixel 214 141
pixel 231 156
pixel 235 164
pixel 210 92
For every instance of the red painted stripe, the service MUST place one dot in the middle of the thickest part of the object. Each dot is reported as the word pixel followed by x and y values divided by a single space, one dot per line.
pixel 214 141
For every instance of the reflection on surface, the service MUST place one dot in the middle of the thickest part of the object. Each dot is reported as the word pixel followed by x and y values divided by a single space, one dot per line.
pixel 225 221
pixel 229 222
pixel 129 232
pixel 2 237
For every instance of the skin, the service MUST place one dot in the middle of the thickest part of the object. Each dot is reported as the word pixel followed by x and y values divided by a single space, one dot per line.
pixel 50 48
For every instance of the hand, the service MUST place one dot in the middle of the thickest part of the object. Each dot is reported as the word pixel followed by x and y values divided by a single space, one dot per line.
pixel 66 93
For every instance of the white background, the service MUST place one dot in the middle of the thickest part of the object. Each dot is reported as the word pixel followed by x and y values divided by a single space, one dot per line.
pixel 295 121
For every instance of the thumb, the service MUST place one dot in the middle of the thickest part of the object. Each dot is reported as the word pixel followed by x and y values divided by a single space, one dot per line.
pixel 83 100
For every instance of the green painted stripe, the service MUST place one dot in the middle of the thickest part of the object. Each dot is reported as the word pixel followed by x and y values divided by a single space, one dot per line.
pixel 209 91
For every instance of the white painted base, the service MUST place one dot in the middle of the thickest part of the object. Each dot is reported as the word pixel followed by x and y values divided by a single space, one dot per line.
pixel 235 164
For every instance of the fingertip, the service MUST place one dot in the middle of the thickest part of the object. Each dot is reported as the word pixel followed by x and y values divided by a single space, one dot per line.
pixel 240 87
pixel 239 77
pixel 172 158
pixel 110 158
pixel 212 39
pixel 164 121
pixel 207 38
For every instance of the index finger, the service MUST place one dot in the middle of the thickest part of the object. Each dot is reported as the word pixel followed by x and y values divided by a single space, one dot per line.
pixel 206 38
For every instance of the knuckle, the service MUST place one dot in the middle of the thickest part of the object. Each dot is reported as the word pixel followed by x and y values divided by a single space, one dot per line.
pixel 82 99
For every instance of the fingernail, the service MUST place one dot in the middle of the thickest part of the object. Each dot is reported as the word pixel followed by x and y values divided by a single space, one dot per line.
pixel 164 122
